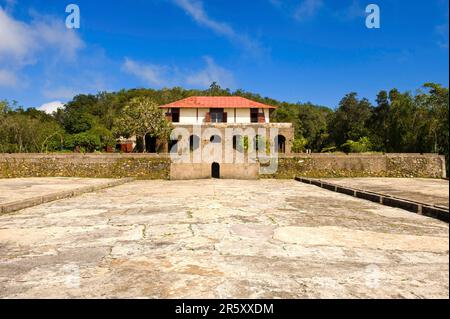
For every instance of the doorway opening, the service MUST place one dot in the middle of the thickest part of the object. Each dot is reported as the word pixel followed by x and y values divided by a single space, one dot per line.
pixel 150 144
pixel 215 170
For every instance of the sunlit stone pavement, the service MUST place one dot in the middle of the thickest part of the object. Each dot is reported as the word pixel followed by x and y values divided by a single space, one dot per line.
pixel 221 239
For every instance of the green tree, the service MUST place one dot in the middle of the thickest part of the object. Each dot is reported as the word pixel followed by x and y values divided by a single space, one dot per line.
pixel 379 122
pixel 312 126
pixel 350 121
pixel 142 117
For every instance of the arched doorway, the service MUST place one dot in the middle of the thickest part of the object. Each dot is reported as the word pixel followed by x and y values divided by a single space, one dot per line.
pixel 280 143
pixel 150 144
pixel 215 170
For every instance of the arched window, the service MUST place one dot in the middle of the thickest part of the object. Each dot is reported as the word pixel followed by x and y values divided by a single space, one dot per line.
pixel 173 145
pixel 215 139
pixel 237 141
pixel 259 142
pixel 194 142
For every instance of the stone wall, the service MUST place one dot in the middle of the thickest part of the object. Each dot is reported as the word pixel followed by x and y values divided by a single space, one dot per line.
pixel 79 165
pixel 245 171
pixel 360 165
pixel 159 166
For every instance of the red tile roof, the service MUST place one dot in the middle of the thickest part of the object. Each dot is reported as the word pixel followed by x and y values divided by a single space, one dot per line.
pixel 226 102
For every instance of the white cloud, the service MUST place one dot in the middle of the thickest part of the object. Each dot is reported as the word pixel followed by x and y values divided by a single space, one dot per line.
pixel 211 73
pixel 8 78
pixel 195 9
pixel 151 74
pixel 51 107
pixel 307 9
pixel 21 43
pixel 162 75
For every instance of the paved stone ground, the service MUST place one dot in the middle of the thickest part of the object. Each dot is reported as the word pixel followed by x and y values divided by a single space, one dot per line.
pixel 17 189
pixel 425 190
pixel 221 239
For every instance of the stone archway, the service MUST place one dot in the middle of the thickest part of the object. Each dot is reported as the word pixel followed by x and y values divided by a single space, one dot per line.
pixel 151 144
pixel 280 144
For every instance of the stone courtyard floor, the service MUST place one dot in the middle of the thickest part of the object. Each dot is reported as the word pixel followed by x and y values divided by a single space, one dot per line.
pixel 221 239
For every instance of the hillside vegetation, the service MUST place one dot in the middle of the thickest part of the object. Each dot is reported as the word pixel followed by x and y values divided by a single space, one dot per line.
pixel 398 122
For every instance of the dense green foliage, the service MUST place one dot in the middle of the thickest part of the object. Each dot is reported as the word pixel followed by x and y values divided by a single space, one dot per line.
pixel 398 122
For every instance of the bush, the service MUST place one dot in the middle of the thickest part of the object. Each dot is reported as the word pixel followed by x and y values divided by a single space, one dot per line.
pixel 299 145
pixel 331 149
pixel 363 145
pixel 87 141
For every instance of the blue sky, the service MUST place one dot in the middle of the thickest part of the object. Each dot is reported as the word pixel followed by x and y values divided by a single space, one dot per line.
pixel 292 50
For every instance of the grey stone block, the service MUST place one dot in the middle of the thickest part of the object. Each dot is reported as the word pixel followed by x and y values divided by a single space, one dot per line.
pixel 369 196
pixel 435 212
pixel 403 204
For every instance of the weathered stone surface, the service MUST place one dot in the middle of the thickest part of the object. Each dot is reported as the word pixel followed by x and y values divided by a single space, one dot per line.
pixel 221 239
pixel 152 166
pixel 423 190
pixel 360 165
pixel 20 193
pixel 85 165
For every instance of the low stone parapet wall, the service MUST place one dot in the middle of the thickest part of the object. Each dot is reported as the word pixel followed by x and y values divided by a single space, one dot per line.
pixel 148 166
pixel 85 165
pixel 360 165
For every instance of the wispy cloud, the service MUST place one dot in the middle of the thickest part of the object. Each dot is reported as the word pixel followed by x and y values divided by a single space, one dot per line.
pixel 195 9
pixel 21 43
pixel 164 76
pixel 354 11
pixel 8 78
pixel 59 92
pixel 442 33
pixel 151 74
pixel 211 73
pixel 9 5
pixel 307 9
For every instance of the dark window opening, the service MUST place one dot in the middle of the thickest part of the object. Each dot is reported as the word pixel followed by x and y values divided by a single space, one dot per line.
pixel 176 115
pixel 254 115
pixel 173 145
pixel 217 116
pixel 280 142
pixel 150 144
pixel 238 143
pixel 259 143
pixel 215 139
pixel 194 142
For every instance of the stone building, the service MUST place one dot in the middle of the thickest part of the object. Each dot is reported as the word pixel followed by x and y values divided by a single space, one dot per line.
pixel 224 121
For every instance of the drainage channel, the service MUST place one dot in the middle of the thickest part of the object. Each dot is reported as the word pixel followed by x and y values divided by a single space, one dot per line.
pixel 437 212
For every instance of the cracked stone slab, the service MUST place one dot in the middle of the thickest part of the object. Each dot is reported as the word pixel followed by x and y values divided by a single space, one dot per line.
pixel 221 239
